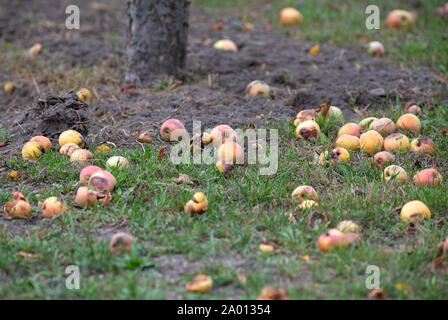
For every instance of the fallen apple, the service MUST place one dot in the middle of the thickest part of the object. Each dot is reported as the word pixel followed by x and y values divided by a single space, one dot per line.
pixel 86 173
pixel 423 145
pixel 334 113
pixel 44 142
pixel 81 157
pixel 219 135
pixel 351 129
pixel 395 173
pixel 304 115
pixel 172 130
pixel 348 142
pixel 199 204
pixel 290 17
pixel 383 126
pixel 227 45
pixel 271 293
pixel 224 168
pixel 31 150
pixel 103 149
pixel 84 94
pixel 201 283
pixel 117 162
pixel 336 155
pixel 348 226
pixel 375 49
pixel 371 141
pixel 365 123
pixel 71 136
pixel 308 129
pixel 302 193
pixel 383 158
pixel 8 87
pixel 120 242
pixel 19 207
pixel 231 153
pixel 259 88
pixel 399 19
pixel 428 177
pixel 308 204
pixel 396 142
pixel 144 137
pixel 102 180
pixel 334 238
pixel 52 207
pixel 415 109
pixel 35 50
pixel 68 148
pixel 414 211
pixel 409 122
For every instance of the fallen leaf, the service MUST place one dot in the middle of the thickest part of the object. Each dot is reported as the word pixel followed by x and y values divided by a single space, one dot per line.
pixel 27 255
pixel 315 49
pixel 403 287
pixel 2 143
pixel 160 153
pixel 241 277
pixel 441 79
pixel 128 87
pixel 218 26
pixel 183 178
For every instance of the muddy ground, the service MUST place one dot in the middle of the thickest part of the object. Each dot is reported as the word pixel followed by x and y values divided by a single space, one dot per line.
pixel 214 84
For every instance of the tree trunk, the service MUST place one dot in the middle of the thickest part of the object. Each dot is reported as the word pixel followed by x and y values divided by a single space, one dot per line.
pixel 157 39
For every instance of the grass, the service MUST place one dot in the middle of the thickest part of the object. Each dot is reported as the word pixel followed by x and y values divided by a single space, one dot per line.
pixel 342 23
pixel 171 248
pixel 224 241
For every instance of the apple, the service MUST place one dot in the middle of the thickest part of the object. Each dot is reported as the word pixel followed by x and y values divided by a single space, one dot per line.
pixel 382 158
pixel 19 207
pixel 428 177
pixel 44 142
pixel 81 157
pixel 224 168
pixel 335 113
pixel 231 152
pixel 337 155
pixel 351 129
pixel 172 130
pixel 334 238
pixel 102 180
pixel 259 88
pixel 302 193
pixel 423 145
pixel 35 50
pixel 84 94
pixel 227 45
pixel 201 283
pixel 117 162
pixel 271 293
pixel 290 17
pixel 399 19
pixel 71 136
pixel 120 242
pixel 307 204
pixel 395 173
pixel 86 172
pixel 8 86
pixel 383 126
pixel 365 123
pixel 144 137
pixel 409 122
pixel 52 207
pixel 68 148
pixel 348 142
pixel 396 142
pixel 304 115
pixel 371 141
pixel 348 226
pixel 199 204
pixel 375 49
pixel 414 211
pixel 31 150
pixel 308 129
pixel 415 109
pixel 219 135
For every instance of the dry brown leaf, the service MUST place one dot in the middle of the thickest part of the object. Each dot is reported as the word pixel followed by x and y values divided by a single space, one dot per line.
pixel 128 87
pixel 218 26
pixel 183 178
pixel 241 277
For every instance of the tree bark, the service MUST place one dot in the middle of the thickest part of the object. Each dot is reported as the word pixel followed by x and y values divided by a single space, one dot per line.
pixel 157 40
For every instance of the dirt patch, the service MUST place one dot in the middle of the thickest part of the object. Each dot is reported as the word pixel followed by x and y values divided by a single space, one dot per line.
pixel 214 84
